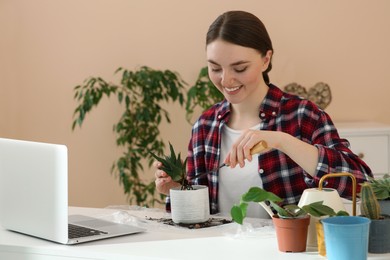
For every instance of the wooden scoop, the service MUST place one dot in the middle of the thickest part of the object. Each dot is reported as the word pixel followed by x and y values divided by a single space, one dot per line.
pixel 259 147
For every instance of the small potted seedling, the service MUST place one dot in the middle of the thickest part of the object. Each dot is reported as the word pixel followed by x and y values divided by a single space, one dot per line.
pixel 189 203
pixel 291 222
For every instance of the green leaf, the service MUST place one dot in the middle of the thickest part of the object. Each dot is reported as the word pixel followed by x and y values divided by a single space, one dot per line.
pixel 281 211
pixel 342 213
pixel 318 209
pixel 293 210
pixel 172 164
pixel 256 194
pixel 237 213
pixel 202 94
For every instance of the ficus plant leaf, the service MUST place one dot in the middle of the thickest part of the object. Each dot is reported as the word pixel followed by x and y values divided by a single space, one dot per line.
pixel 203 94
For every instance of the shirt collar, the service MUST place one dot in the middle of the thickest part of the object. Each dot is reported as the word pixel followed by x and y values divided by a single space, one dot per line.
pixel 223 111
pixel 269 108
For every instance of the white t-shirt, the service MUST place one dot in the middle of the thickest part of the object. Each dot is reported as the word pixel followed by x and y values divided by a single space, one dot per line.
pixel 234 182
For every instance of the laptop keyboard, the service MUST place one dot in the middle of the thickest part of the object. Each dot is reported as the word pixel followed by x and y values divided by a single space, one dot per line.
pixel 75 231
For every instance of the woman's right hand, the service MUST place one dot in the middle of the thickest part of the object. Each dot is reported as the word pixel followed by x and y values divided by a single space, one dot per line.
pixel 163 181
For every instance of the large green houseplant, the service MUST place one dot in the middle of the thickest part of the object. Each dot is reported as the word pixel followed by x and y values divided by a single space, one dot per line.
pixel 202 94
pixel 142 93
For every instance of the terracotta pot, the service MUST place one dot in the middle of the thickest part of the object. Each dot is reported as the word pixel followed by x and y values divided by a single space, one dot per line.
pixel 291 233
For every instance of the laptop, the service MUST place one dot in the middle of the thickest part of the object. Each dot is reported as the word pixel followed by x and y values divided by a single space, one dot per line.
pixel 34 195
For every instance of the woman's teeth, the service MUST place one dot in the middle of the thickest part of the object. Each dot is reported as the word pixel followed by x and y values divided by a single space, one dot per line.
pixel 232 89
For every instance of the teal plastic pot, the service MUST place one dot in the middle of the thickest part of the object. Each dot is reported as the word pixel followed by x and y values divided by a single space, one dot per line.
pixel 346 237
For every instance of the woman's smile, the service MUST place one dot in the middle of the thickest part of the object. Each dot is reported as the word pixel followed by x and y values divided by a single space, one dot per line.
pixel 233 90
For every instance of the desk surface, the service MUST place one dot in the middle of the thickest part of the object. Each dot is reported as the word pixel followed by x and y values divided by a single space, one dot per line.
pixel 160 241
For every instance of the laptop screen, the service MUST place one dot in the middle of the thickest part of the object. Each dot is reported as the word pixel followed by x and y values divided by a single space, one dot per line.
pixel 34 188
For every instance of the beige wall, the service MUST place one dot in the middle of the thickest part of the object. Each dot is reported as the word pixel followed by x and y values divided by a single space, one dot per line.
pixel 49 46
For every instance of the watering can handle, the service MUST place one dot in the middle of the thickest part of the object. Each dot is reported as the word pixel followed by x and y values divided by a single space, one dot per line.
pixel 330 175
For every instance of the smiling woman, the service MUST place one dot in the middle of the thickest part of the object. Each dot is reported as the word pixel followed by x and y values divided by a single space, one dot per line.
pixel 303 143
pixel 47 47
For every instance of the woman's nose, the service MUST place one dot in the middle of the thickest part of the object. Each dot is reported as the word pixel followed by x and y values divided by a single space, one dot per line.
pixel 226 79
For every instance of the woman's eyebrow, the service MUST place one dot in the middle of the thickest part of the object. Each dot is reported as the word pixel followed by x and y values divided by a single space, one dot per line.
pixel 213 62
pixel 233 64
pixel 239 62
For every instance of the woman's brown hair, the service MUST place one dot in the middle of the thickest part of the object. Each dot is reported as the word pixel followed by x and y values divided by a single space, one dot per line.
pixel 244 29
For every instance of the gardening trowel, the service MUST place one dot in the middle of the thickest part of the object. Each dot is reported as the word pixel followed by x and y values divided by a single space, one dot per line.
pixel 259 147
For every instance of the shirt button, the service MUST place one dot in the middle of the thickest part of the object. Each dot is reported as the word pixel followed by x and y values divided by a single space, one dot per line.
pixel 262 114
pixel 273 113
pixel 261 171
pixel 219 116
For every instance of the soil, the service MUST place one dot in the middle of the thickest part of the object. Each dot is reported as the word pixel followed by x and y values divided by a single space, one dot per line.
pixel 212 222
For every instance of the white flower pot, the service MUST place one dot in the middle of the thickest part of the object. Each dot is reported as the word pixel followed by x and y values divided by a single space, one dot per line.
pixel 190 206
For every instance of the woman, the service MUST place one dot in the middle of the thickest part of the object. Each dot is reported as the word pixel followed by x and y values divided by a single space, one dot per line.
pixel 303 142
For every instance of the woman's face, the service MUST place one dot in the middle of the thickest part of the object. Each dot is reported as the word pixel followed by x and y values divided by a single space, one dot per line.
pixel 236 70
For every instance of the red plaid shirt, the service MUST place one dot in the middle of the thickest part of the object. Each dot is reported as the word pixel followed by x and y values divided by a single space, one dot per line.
pixel 284 112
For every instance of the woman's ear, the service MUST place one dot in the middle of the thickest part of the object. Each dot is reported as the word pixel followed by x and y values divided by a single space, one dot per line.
pixel 267 59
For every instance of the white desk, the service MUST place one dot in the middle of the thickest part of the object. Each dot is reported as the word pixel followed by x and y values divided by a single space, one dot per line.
pixel 160 241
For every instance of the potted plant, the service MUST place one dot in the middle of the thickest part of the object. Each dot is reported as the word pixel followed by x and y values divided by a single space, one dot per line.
pixel 381 188
pixel 142 92
pixel 189 203
pixel 291 222
pixel 379 234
